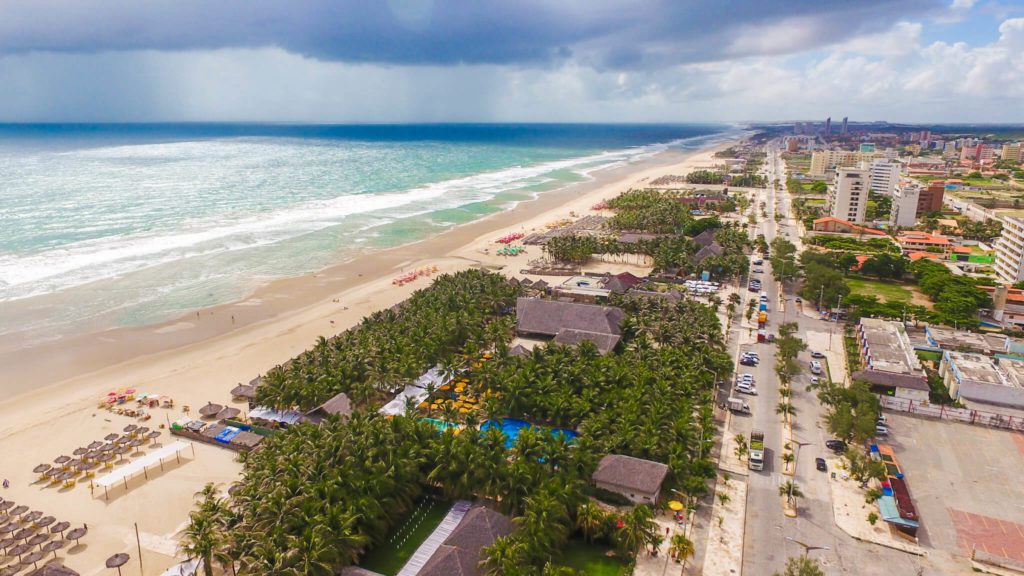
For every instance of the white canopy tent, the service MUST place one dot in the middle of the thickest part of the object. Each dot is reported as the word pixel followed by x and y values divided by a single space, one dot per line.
pixel 417 391
pixel 125 472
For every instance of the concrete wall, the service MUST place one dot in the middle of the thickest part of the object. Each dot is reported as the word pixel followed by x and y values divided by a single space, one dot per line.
pixel 637 497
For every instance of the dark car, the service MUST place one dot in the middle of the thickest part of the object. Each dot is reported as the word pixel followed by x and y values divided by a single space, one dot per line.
pixel 836 445
pixel 817 355
pixel 819 463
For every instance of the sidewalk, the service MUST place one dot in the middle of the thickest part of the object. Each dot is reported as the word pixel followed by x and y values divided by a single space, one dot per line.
pixel 851 514
pixel 724 553
pixel 650 565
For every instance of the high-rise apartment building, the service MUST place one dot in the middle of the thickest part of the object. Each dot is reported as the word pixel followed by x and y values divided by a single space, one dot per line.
pixel 884 175
pixel 905 199
pixel 828 126
pixel 1011 152
pixel 824 160
pixel 930 198
pixel 848 194
pixel 984 154
pixel 1010 250
pixel 845 128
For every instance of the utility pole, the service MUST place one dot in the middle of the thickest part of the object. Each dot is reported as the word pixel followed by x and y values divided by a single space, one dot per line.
pixel 807 547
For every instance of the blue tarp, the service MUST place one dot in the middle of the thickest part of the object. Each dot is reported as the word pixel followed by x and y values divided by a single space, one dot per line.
pixel 887 506
pixel 227 434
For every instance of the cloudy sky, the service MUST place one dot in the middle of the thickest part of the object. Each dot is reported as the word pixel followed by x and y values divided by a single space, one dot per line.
pixel 512 60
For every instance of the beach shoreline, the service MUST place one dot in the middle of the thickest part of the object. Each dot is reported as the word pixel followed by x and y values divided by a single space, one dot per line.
pixel 53 390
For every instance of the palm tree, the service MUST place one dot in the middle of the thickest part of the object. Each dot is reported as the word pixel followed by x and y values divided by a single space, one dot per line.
pixel 791 491
pixel 589 519
pixel 741 446
pixel 635 530
pixel 801 566
pixel 680 547
pixel 788 458
pixel 785 409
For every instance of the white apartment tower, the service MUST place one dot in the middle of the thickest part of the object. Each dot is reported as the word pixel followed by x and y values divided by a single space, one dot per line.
pixel 1010 250
pixel 904 204
pixel 848 194
pixel 885 175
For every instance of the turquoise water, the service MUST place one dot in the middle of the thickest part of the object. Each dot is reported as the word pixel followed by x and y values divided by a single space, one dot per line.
pixel 140 223
pixel 511 427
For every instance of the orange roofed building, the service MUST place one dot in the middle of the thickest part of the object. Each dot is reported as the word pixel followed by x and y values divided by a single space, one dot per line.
pixel 834 225
pixel 913 241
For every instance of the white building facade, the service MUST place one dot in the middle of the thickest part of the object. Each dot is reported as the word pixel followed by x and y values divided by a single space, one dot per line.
pixel 1010 250
pixel 848 195
pixel 904 204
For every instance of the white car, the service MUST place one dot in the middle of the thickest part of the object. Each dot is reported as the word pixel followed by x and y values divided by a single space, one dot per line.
pixel 815 367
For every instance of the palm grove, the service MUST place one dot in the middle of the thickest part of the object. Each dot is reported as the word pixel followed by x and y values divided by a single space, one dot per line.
pixel 315 498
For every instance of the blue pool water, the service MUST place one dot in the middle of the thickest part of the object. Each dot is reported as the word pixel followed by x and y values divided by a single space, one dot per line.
pixel 511 427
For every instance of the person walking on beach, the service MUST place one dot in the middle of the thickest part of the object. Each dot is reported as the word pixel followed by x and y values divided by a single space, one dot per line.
pixel 6 483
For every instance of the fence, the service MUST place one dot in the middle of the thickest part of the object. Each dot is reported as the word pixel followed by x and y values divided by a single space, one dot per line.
pixel 955 414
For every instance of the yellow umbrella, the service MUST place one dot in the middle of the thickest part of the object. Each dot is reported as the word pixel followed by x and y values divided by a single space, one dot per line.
pixel 675 505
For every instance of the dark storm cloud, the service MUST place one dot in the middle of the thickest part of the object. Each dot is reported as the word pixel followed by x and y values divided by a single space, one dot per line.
pixel 615 34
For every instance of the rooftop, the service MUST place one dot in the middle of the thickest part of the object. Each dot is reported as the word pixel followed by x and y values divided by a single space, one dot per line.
pixel 549 317
pixel 987 370
pixel 963 341
pixel 460 555
pixel 629 472
pixel 922 238
pixel 887 347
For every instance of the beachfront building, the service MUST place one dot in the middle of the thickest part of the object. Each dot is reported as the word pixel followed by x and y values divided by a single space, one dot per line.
pixel 890 363
pixel 569 323
pixel 905 198
pixel 637 479
pixel 915 241
pixel 339 406
pixel 848 195
pixel 984 383
pixel 1010 250
pixel 833 225
pixel 462 552
pixel 824 161
pixel 884 175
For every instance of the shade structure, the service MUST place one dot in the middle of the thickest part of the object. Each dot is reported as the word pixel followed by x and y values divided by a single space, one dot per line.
pixel 59 527
pixel 7 543
pixel 24 533
pixel 19 510
pixel 32 558
pixel 228 412
pixel 210 410
pixel 6 504
pixel 45 521
pixel 10 571
pixel 95 444
pixel 92 454
pixel 33 516
pixel 108 448
pixel 105 457
pixel 80 451
pixel 153 434
pixel 41 468
pixel 110 437
pixel 62 459
pixel 130 428
pixel 142 430
pixel 38 539
pixel 77 533
pixel 19 550
pixel 154 458
pixel 83 466
pixel 136 443
pixel 675 505
pixel 8 528
pixel 53 546
pixel 117 560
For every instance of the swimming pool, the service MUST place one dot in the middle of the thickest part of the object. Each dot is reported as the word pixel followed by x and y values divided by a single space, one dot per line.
pixel 441 425
pixel 511 427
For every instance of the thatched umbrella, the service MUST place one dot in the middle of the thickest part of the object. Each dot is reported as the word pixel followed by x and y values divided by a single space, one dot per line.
pixel 39 538
pixel 110 437
pixel 7 543
pixel 19 550
pixel 33 558
pixel 10 571
pixel 32 516
pixel 19 510
pixel 41 468
pixel 62 459
pixel 77 534
pixel 80 451
pixel 117 560
pixel 153 435
pixel 8 528
pixel 210 410
pixel 95 444
pixel 6 504
pixel 228 412
pixel 83 466
pixel 105 457
pixel 92 454
pixel 108 448
pixel 130 428
pixel 53 546
pixel 60 527
pixel 45 521
pixel 142 430
pixel 24 533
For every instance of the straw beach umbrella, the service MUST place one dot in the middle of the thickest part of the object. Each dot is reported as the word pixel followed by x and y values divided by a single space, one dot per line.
pixel 60 527
pixel 110 437
pixel 53 546
pixel 228 412
pixel 130 428
pixel 41 468
pixel 33 559
pixel 210 410
pixel 117 560
pixel 45 521
pixel 32 516
pixel 77 534
pixel 95 444
pixel 39 539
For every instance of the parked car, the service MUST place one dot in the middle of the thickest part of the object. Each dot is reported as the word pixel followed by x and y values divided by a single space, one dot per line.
pixel 819 463
pixel 881 430
pixel 815 367
pixel 815 380
pixel 746 388
pixel 758 262
pixel 757 270
pixel 835 445
pixel 746 361
pixel 817 354
pixel 798 300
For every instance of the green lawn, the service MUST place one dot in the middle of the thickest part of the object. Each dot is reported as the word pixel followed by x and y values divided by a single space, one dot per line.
pixel 887 291
pixel 929 356
pixel 592 559
pixel 389 557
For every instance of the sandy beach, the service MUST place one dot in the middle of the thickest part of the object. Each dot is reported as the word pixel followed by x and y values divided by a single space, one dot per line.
pixel 52 391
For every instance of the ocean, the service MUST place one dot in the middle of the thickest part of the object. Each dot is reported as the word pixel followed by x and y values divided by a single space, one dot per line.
pixel 137 224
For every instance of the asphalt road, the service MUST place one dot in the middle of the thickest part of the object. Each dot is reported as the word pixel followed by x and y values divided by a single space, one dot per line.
pixel 770 537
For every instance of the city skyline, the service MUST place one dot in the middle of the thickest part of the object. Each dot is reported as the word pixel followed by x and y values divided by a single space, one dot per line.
pixel 418 61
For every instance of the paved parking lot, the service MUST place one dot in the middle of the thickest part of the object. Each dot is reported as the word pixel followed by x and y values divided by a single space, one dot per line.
pixel 965 482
